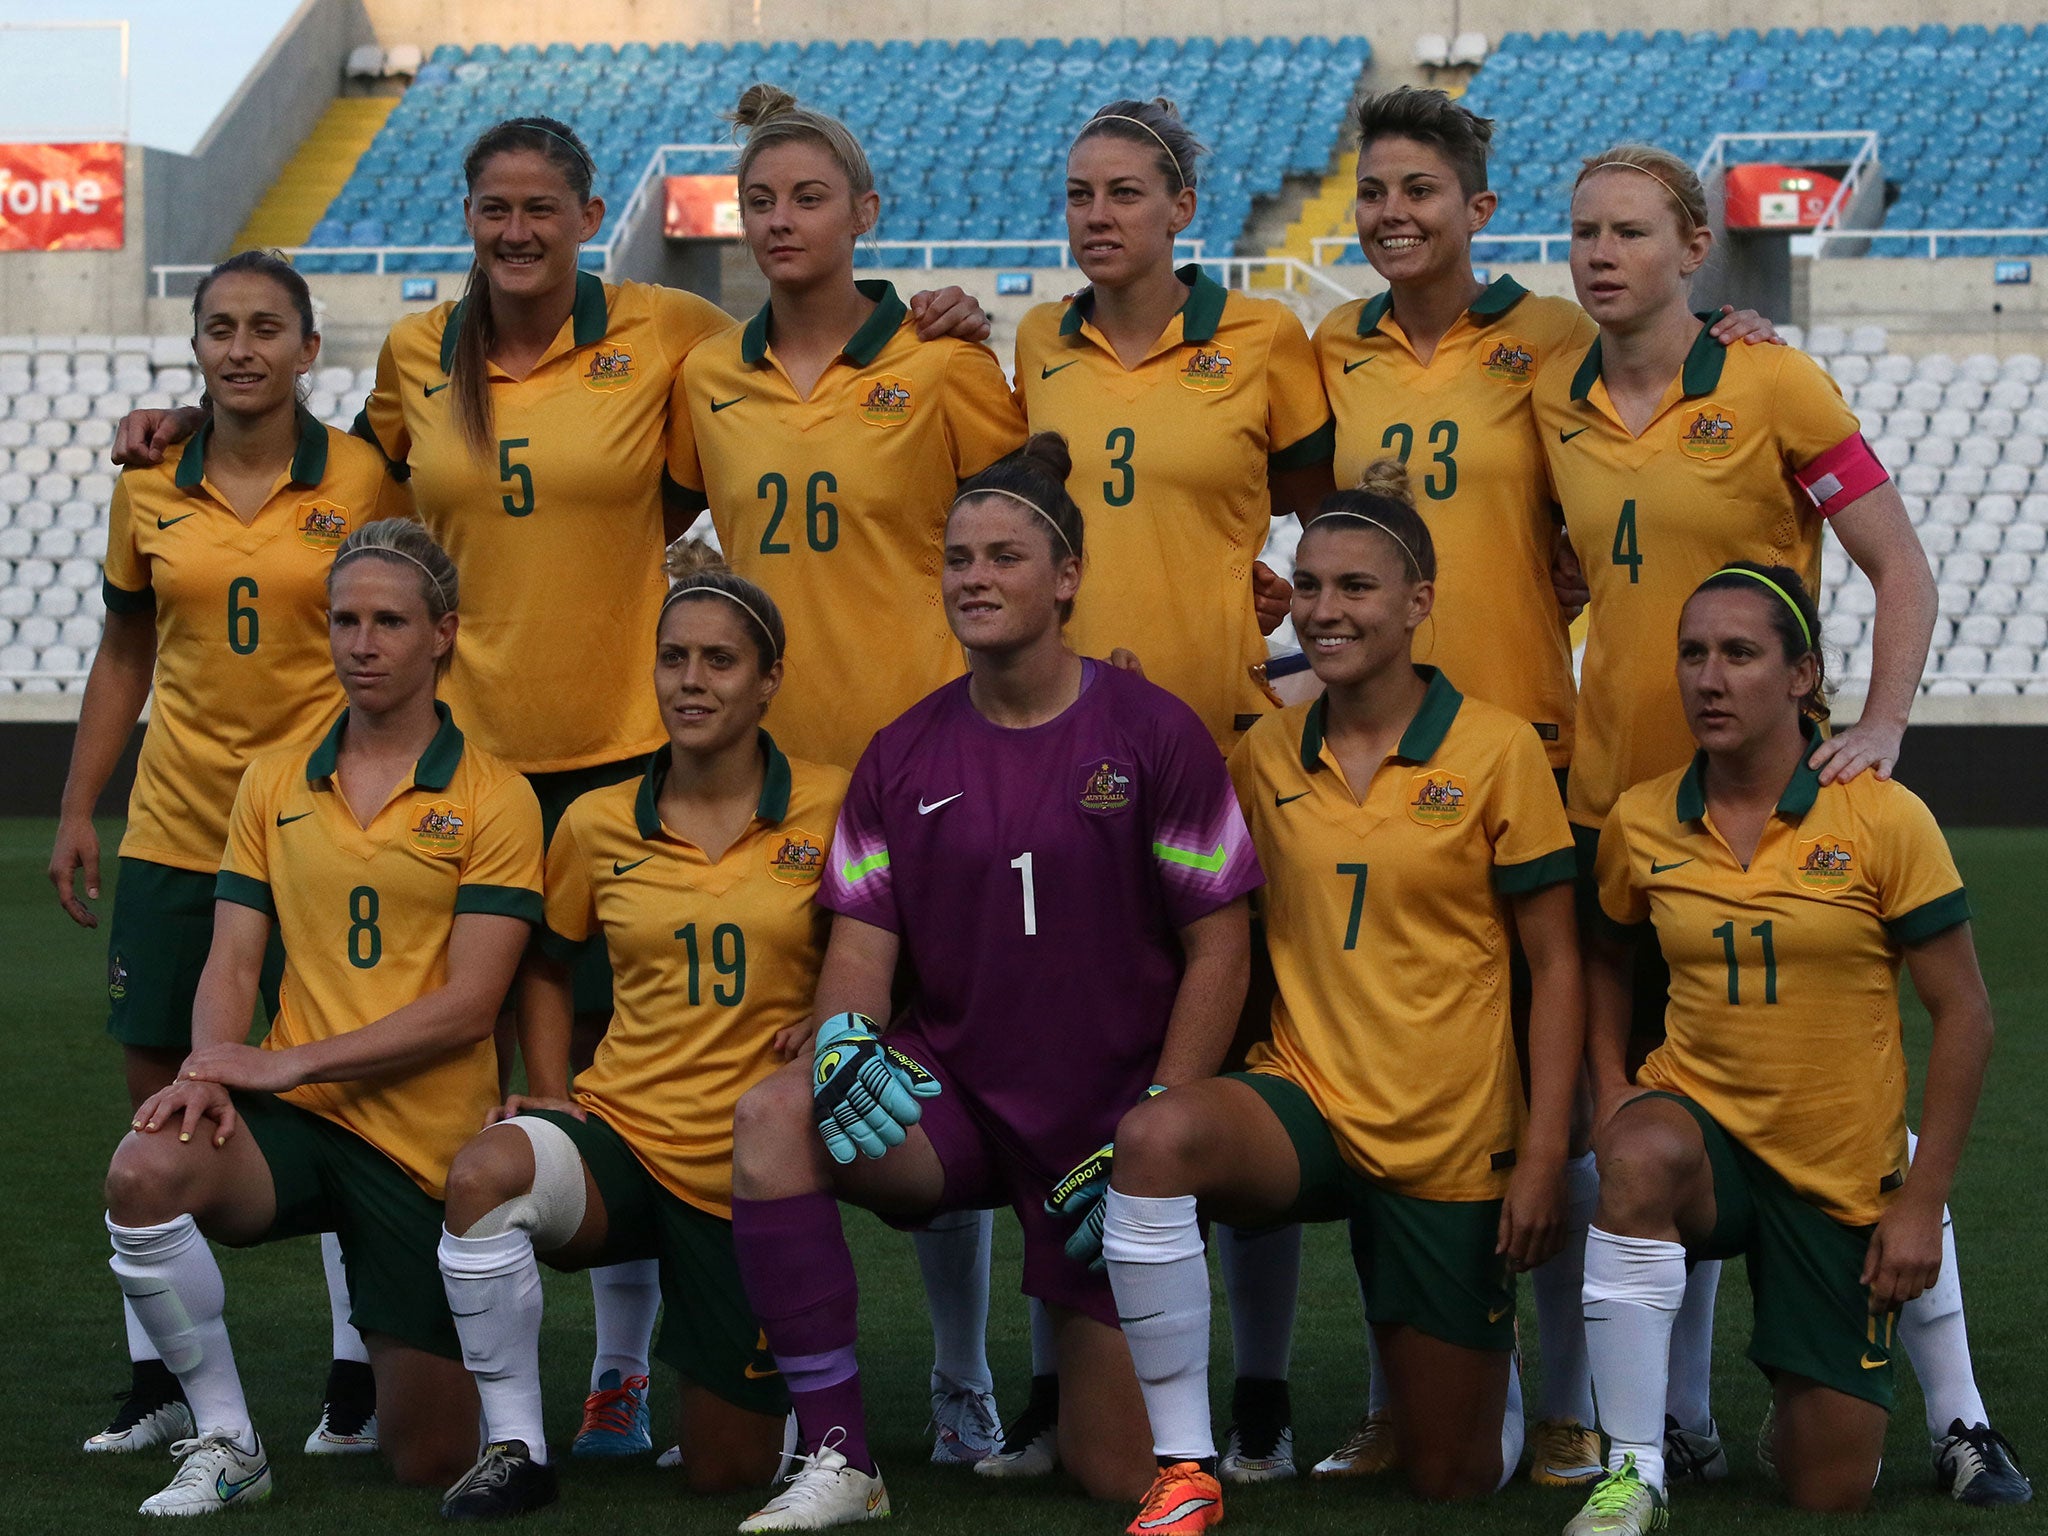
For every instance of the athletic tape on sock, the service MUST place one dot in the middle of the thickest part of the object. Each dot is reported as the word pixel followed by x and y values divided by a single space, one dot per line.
pixel 552 1210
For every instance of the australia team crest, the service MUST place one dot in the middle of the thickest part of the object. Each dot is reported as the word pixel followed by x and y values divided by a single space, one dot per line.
pixel 798 859
pixel 1511 360
pixel 1825 863
pixel 1707 431
pixel 1106 786
pixel 322 524
pixel 442 828
pixel 1210 369
pixel 1437 798
pixel 611 367
pixel 886 400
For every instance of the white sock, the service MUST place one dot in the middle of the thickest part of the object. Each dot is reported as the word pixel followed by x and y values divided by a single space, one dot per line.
pixel 953 1253
pixel 1045 1348
pixel 139 1347
pixel 347 1344
pixel 626 1298
pixel 1937 1343
pixel 1688 1394
pixel 1560 1313
pixel 493 1286
pixel 1161 1279
pixel 1512 1429
pixel 1633 1289
pixel 1262 1277
pixel 171 1280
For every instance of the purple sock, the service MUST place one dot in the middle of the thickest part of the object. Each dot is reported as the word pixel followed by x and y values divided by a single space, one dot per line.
pixel 800 1282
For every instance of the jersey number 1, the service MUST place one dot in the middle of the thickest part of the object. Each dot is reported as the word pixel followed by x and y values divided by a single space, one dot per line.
pixel 1022 864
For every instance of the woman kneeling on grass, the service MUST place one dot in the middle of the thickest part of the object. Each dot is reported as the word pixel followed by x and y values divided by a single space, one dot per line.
pixel 403 869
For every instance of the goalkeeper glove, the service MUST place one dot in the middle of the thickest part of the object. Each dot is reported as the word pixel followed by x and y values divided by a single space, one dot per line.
pixel 864 1094
pixel 1079 1196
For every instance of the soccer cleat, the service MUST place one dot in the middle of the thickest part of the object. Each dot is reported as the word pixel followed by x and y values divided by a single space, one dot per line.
pixel 213 1474
pixel 615 1419
pixel 1266 1460
pixel 964 1427
pixel 824 1491
pixel 1767 1442
pixel 1368 1451
pixel 144 1421
pixel 1974 1464
pixel 506 1481
pixel 672 1457
pixel 1692 1457
pixel 1621 1504
pixel 1183 1499
pixel 1565 1454
pixel 348 1412
pixel 1030 1445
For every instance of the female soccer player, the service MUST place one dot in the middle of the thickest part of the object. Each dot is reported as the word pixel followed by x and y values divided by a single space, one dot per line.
pixel 1441 822
pixel 1194 413
pixel 403 869
pixel 701 878
pixel 1774 1124
pixel 215 571
pixel 1053 845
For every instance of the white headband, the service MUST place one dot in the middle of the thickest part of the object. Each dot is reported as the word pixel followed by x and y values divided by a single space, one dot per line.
pixel 1630 165
pixel 1025 501
pixel 1376 523
pixel 774 650
pixel 396 554
pixel 1117 117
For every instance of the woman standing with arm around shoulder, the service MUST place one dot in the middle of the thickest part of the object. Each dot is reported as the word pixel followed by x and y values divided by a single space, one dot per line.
pixel 216 568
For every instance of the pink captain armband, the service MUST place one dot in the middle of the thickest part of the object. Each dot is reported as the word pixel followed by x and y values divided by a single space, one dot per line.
pixel 1838 477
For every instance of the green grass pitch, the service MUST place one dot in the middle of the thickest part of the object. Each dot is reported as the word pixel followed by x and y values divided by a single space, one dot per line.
pixel 63 1353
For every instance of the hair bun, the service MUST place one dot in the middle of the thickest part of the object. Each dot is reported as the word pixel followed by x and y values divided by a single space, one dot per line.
pixel 1388 478
pixel 1047 451
pixel 758 103
pixel 688 557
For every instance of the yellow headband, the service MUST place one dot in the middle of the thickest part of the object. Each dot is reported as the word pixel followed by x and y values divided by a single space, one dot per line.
pixel 676 594
pixel 1630 165
pixel 1118 117
pixel 396 554
pixel 1736 570
pixel 1374 522
pixel 1023 501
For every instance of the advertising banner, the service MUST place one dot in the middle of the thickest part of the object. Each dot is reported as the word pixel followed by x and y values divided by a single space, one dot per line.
pixel 702 208
pixel 60 197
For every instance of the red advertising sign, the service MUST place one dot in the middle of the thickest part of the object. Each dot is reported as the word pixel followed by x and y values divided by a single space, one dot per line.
pixel 1777 196
pixel 60 197
pixel 702 208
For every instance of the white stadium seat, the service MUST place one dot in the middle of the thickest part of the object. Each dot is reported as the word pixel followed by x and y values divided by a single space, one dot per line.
pixel 1950 422
pixel 402 59
pixel 1964 480
pixel 82 576
pixel 2025 538
pixel 16 543
pixel 2012 568
pixel 366 380
pixel 1964 568
pixel 322 403
pixel 36 632
pixel 2023 449
pixel 1937 366
pixel 1980 629
pixel 33 406
pixel 17 658
pixel 1469 49
pixel 1894 453
pixel 365 62
pixel 1867 341
pixel 2028 629
pixel 72 461
pixel 34 514
pixel 1875 395
pixel 170 351
pixel 1981 366
pixel 2011 394
pixel 71 407
pixel 34 575
pixel 155 400
pixel 1966 394
pixel 16 602
pixel 54 487
pixel 61 659
pixel 13 434
pixel 112 407
pixel 93 434
pixel 1937 539
pixel 1849 371
pixel 1979 451
pixel 52 434
pixel 2025 367
pixel 1826 341
pixel 1996 509
pixel 176 381
pixel 1936 452
pixel 2034 420
pixel 1857 597
pixel 1893 369
pixel 1963 661
pixel 1996 421
pixel 81 631
pixel 1979 538
pixel 96 486
pixel 1952 597
pixel 1995 597
pixel 1907 423
pixel 1921 395
pixel 59 544
pixel 58 602
pixel 336 381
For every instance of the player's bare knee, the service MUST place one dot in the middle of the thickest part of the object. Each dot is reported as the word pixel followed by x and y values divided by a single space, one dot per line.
pixel 1644 1167
pixel 1157 1148
pixel 771 1120
pixel 491 1169
pixel 149 1179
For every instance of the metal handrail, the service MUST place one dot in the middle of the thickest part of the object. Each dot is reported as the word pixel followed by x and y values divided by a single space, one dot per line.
pixel 1323 243
pixel 1237 271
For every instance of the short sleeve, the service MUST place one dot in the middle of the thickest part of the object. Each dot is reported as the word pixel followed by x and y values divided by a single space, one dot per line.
pixel 1201 847
pixel 126 586
pixel 1243 770
pixel 983 420
pixel 501 874
pixel 382 418
pixel 681 447
pixel 1624 908
pixel 571 903
pixel 1808 412
pixel 1299 428
pixel 859 882
pixel 1532 841
pixel 245 863
pixel 684 322
pixel 1919 889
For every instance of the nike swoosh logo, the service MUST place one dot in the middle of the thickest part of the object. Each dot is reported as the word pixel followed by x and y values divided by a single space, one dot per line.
pixel 1046 373
pixel 1359 364
pixel 1876 1365
pixel 926 810
pixel 227 1489
pixel 432 390
pixel 1145 1319
pixel 1494 1315
pixel 620 869
pixel 1565 437
pixel 1658 869
pixel 285 821
pixel 719 405
pixel 754 1373
pixel 1173 1516
pixel 165 522
pixel 479 1312
pixel 1280 799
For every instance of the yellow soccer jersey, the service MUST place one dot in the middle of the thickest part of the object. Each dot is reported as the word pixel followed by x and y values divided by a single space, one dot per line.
pixel 1170 464
pixel 709 960
pixel 1709 481
pixel 558 537
pixel 836 505
pixel 1385 917
pixel 365 913
pixel 1783 1022
pixel 1465 425
pixel 242 664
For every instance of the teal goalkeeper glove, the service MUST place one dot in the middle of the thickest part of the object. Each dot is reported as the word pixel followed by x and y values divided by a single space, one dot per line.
pixel 1079 1197
pixel 864 1094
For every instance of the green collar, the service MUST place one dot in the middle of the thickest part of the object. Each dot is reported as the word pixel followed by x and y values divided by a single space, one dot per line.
pixel 309 458
pixel 1495 300
pixel 771 808
pixel 589 318
pixel 1801 790
pixel 867 343
pixel 1701 375
pixel 1199 316
pixel 434 770
pixel 1425 733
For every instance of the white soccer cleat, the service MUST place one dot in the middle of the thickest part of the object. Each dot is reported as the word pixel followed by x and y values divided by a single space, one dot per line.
pixel 1247 1462
pixel 1690 1456
pixel 1621 1504
pixel 1368 1451
pixel 143 1426
pixel 213 1474
pixel 823 1492
pixel 340 1433
pixel 964 1427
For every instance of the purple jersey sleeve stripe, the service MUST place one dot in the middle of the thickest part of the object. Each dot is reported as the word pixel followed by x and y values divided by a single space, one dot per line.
pixel 856 870
pixel 1207 863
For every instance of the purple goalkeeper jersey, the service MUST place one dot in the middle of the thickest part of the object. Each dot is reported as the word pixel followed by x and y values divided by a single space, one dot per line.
pixel 1037 878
